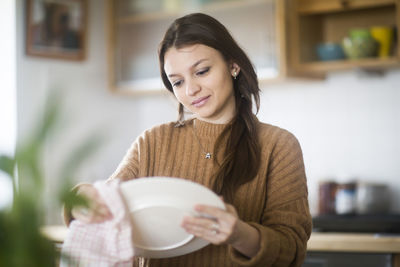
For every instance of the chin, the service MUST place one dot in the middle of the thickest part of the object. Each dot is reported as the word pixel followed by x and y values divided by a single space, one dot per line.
pixel 204 115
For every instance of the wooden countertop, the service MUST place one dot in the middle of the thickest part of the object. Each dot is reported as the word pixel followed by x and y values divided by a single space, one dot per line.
pixel 56 233
pixel 354 242
pixel 348 242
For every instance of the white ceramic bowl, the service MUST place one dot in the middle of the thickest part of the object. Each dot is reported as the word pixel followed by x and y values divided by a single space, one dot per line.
pixel 157 206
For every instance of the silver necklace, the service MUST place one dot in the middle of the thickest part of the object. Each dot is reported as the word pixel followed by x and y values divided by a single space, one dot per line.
pixel 207 154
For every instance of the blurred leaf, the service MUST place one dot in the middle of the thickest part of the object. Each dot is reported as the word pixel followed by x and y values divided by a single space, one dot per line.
pixel 21 242
pixel 7 164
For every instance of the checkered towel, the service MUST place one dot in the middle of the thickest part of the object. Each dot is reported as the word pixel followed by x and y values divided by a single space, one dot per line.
pixel 104 244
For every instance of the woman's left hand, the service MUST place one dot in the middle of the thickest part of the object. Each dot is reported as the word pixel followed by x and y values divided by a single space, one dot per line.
pixel 217 226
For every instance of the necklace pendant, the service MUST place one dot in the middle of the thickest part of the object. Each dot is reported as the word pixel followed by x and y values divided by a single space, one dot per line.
pixel 208 156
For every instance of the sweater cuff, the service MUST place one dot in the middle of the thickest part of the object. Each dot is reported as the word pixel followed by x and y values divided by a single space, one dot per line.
pixel 266 255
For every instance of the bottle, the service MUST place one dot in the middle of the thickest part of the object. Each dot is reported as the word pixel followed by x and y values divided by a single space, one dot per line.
pixel 345 202
pixel 327 195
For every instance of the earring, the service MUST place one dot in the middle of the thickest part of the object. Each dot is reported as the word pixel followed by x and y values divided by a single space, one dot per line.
pixel 234 75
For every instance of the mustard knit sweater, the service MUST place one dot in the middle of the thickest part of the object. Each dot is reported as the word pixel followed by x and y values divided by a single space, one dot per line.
pixel 275 202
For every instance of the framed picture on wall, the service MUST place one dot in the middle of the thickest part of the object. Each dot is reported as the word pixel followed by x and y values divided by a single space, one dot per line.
pixel 56 28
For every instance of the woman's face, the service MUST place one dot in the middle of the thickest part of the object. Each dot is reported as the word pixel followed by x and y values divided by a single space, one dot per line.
pixel 202 81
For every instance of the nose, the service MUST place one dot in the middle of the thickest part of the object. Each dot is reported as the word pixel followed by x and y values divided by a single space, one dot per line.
pixel 192 88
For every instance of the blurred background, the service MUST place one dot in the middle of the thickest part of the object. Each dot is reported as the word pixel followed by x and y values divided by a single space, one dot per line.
pixel 346 116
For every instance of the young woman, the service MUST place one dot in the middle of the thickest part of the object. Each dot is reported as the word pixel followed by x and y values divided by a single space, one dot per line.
pixel 257 168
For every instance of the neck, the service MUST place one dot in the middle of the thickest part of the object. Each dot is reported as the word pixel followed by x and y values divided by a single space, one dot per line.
pixel 207 130
pixel 224 120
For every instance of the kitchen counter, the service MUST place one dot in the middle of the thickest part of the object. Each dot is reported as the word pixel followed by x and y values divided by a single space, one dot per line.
pixel 56 233
pixel 319 241
pixel 354 242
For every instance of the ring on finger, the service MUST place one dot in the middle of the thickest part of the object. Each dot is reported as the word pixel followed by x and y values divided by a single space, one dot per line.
pixel 215 229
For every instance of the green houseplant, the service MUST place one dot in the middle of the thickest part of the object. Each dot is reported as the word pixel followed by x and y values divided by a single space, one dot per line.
pixel 21 242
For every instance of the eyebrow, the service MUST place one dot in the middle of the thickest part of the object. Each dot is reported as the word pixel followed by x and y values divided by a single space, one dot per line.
pixel 191 67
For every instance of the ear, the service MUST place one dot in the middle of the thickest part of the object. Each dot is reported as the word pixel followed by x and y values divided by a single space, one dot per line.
pixel 235 69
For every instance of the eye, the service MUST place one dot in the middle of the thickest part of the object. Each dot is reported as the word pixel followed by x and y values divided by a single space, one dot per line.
pixel 202 71
pixel 177 83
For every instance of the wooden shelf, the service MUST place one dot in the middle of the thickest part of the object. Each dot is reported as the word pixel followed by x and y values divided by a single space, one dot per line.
pixel 367 63
pixel 134 36
pixel 206 8
pixel 307 7
pixel 312 22
pixel 144 17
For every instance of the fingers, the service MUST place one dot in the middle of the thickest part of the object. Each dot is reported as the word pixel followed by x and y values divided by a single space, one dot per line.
pixel 91 214
pixel 215 225
pixel 204 228
pixel 209 211
pixel 215 212
pixel 96 211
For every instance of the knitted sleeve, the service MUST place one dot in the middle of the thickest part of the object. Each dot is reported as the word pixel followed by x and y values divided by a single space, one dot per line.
pixel 286 223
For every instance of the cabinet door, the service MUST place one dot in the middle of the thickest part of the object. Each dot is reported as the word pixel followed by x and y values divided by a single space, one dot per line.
pixel 137 27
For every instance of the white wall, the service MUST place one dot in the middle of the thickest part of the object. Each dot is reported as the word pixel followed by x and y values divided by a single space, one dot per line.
pixel 88 104
pixel 347 125
pixel 8 91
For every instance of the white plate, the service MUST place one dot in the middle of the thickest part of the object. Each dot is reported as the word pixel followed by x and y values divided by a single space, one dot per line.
pixel 157 206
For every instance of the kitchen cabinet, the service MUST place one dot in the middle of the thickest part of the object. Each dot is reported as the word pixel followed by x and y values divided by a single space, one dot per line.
pixel 135 28
pixel 311 22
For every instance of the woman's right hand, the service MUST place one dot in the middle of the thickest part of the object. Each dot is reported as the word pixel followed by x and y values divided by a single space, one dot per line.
pixel 96 211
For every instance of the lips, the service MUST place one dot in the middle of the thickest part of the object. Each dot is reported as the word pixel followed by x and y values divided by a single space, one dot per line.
pixel 200 101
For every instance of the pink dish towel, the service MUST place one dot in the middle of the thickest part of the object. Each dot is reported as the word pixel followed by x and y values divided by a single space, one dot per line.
pixel 104 244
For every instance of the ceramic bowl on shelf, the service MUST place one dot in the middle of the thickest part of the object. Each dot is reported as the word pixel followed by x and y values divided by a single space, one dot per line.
pixel 359 44
pixel 359 33
pixel 330 51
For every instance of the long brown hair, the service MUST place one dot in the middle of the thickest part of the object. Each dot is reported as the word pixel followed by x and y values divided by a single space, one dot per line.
pixel 242 153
